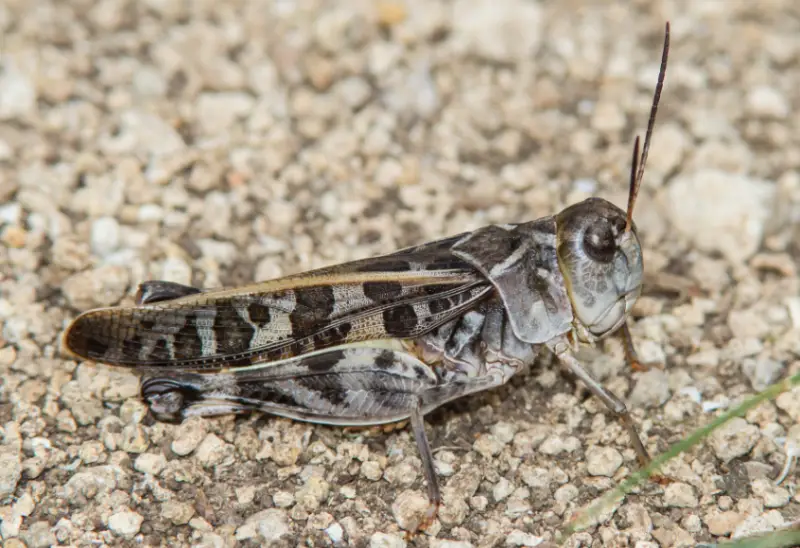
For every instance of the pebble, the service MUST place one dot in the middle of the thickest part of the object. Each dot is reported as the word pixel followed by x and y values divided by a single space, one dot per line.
pixel 10 463
pixel 734 439
pixel 371 470
pixel 283 499
pixel 102 286
pixel 353 92
pixel 519 538
pixel 772 495
pixel 17 91
pixel 145 133
pixel 734 227
pixel 212 450
pixel 500 35
pixel 767 102
pixel 105 236
pixel 385 540
pixel 335 533
pixel 38 535
pixel 189 435
pixel 313 493
pixel 442 543
pixel 125 524
pixel 680 495
pixel 723 523
pixel 150 463
pixel 756 525
pixel 602 461
pixel 408 508
pixel 651 389
pixel 178 513
pixel 502 489
pixel 176 270
pixel 217 112
pixel 566 493
pixel 268 526
pixel 762 372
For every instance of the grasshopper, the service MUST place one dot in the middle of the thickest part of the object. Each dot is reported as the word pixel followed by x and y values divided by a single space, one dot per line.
pixel 393 337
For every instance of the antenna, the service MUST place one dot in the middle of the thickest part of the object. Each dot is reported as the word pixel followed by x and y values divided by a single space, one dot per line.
pixel 640 161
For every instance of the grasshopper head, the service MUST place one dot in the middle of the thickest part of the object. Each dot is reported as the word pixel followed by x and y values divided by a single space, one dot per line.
pixel 598 248
pixel 601 260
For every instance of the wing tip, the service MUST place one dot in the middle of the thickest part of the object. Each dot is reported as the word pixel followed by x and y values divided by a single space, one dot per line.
pixel 76 344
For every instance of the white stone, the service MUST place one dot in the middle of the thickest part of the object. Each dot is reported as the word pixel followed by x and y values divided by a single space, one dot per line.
pixel 125 524
pixel 17 91
pixel 768 102
pixel 105 236
pixel 720 212
pixel 503 31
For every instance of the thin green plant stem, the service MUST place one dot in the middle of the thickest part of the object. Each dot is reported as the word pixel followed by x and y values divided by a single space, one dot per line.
pixel 696 437
pixel 779 539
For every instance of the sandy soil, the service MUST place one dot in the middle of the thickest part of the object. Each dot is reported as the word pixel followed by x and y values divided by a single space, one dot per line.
pixel 217 143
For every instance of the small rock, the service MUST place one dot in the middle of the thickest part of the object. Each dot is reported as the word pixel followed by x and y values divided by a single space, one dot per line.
pixel 767 102
pixel 608 117
pixel 441 543
pixel 105 236
pixel 487 445
pixel 761 372
pixel 335 533
pixel 221 252
pixel 651 390
pixel 723 523
pixel 735 225
pixel 283 499
pixel 10 465
pixel 212 450
pixel 134 439
pixel 790 403
pixel 692 523
pixel 313 493
pixel 353 91
pixel 145 133
pixel 566 493
pixel 217 112
pixel 518 538
pixel 603 461
pixel 502 489
pixel 103 286
pixel 734 439
pixel 384 540
pixel 17 91
pixel 176 270
pixel 270 525
pixel 125 524
pixel 150 463
pixel 756 525
pixel 38 535
pixel 504 32
pixel 680 495
pixel 408 509
pixel 189 435
pixel 371 470
pixel 555 445
pixel 179 513
pixel 772 495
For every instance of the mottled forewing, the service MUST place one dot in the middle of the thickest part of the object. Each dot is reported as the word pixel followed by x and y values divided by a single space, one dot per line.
pixel 400 296
pixel 521 262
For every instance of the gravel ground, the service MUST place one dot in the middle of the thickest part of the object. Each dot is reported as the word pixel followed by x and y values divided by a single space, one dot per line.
pixel 215 143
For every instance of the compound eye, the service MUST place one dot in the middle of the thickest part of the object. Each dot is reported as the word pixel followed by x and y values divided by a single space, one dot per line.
pixel 599 242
